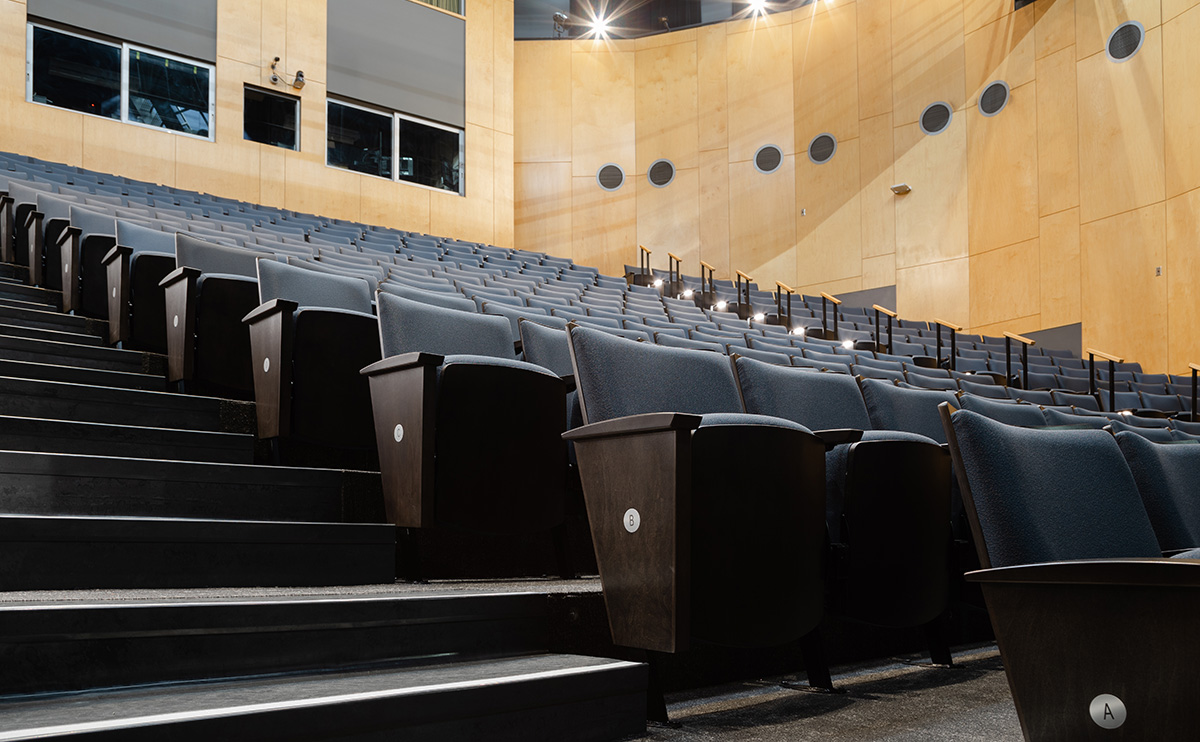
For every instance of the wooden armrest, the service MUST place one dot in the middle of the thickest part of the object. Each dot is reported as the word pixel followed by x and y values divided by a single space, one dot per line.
pixel 275 306
pixel 30 217
pixel 179 274
pixel 1019 338
pixel 828 297
pixel 1141 572
pixel 402 361
pixel 67 233
pixel 838 436
pixel 651 422
pixel 116 252
pixel 5 200
pixel 884 310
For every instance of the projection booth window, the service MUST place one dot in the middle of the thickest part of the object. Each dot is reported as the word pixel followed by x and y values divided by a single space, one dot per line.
pixel 271 118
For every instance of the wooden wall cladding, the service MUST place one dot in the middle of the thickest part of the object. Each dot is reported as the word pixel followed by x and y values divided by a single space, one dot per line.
pixel 250 34
pixel 1011 221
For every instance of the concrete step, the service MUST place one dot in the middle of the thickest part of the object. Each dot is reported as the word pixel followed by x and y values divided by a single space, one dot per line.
pixel 13 330
pixel 52 320
pixel 101 439
pixel 38 350
pixel 37 370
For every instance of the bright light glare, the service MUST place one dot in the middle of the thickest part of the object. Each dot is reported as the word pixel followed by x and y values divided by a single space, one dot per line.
pixel 847 344
pixel 758 7
pixel 759 317
pixel 658 283
pixel 721 305
pixel 600 26
pixel 798 331
pixel 687 293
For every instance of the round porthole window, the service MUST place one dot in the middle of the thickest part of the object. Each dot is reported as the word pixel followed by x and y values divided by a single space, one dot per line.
pixel 935 118
pixel 768 158
pixel 1125 41
pixel 610 177
pixel 821 148
pixel 994 98
pixel 661 173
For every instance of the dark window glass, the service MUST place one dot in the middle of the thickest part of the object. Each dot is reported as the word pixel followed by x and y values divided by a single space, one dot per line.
pixel 270 118
pixel 79 74
pixel 429 155
pixel 168 93
pixel 359 140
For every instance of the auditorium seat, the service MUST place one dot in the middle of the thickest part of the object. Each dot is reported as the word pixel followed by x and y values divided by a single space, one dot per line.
pixel 887 503
pixel 659 458
pixel 134 268
pixel 309 337
pixel 1084 608
pixel 1005 411
pixel 448 379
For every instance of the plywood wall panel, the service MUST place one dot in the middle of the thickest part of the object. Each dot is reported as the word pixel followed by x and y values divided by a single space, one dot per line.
pixel 480 42
pixel 825 55
pixel 714 212
pixel 760 90
pixel 602 106
pixel 1057 132
pixel 874 19
pixel 940 290
pixel 502 190
pixel 473 218
pixel 542 94
pixel 1060 282
pixel 1181 100
pixel 1124 305
pixel 762 227
pixel 879 271
pixel 829 217
pixel 542 203
pixel 875 179
pixel 1183 279
pixel 712 94
pixel 1002 182
pixel 668 219
pixel 927 61
pixel 306 24
pixel 502 66
pixel 666 107
pixel 239 32
pixel 1005 283
pixel 1173 8
pixel 1055 26
pixel 1002 50
pixel 931 221
pixel 603 226
pixel 133 151
pixel 1121 153
pixel 980 13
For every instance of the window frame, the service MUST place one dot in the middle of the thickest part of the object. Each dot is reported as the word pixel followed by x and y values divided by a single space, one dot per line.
pixel 264 91
pixel 396 118
pixel 125 48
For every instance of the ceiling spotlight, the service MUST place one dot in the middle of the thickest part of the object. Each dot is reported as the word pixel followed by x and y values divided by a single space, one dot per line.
pixel 848 344
pixel 560 23
pixel 688 293
pixel 759 317
pixel 600 27
pixel 758 7
pixel 721 305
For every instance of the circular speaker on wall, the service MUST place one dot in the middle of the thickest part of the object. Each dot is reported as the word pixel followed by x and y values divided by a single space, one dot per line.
pixel 1125 40
pixel 661 173
pixel 768 158
pixel 610 177
pixel 994 98
pixel 821 148
pixel 936 117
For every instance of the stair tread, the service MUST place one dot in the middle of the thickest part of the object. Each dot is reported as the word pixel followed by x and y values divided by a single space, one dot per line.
pixel 37 370
pixel 166 704
pixel 39 333
pixel 49 316
pixel 46 435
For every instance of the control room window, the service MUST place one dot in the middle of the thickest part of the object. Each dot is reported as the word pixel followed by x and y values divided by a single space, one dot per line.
pixel 429 154
pixel 270 118
pixel 119 81
pixel 359 139
pixel 73 72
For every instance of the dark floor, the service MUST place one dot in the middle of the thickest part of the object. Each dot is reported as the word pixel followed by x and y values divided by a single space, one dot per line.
pixel 893 701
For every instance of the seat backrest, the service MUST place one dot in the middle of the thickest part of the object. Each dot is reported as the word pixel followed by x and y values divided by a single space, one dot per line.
pixel 310 288
pixel 617 377
pixel 912 410
pixel 436 298
pixel 208 257
pixel 817 401
pixel 407 326
pixel 546 346
pixel 1012 413
pixel 92 222
pixel 144 239
pixel 1048 495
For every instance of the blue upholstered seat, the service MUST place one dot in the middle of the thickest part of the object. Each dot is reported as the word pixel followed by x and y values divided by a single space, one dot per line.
pixel 407 326
pixel 911 410
pixel 1026 415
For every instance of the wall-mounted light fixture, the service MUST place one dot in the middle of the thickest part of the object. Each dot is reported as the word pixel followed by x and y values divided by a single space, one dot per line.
pixel 560 24
pixel 900 189
pixel 278 76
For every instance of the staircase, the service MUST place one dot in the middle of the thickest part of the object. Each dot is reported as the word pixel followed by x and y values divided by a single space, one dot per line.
pixel 108 481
